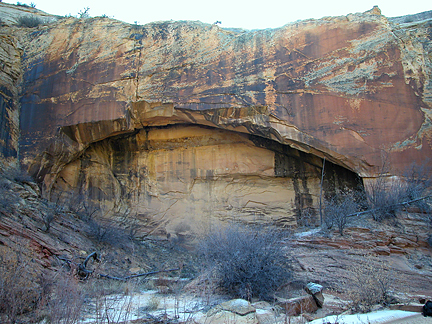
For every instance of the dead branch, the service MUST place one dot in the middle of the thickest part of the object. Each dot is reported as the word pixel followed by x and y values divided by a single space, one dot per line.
pixel 404 203
pixel 137 275
pixel 83 272
pixel 91 255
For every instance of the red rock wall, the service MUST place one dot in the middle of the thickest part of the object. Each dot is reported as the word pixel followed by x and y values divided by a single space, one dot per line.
pixel 338 87
pixel 351 89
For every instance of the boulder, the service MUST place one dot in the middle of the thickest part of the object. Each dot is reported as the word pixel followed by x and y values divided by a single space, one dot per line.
pixel 238 306
pixel 407 307
pixel 265 316
pixel 299 305
pixel 427 309
pixel 313 288
pixel 316 291
pixel 233 311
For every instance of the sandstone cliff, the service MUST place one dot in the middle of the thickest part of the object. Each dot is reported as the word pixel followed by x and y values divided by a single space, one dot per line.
pixel 179 123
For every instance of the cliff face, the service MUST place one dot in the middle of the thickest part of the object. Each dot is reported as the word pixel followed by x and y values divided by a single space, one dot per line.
pixel 10 58
pixel 188 121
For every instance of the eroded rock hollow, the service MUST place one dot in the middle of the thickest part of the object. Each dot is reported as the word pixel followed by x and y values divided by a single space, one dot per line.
pixel 182 179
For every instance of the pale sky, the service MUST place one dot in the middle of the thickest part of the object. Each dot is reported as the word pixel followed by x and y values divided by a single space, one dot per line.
pixel 240 14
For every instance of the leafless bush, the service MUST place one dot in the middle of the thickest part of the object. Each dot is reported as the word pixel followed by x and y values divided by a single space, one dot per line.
pixel 8 198
pixel 29 21
pixel 108 232
pixel 16 174
pixel 109 301
pixel 418 181
pixel 369 283
pixel 32 5
pixel 9 179
pixel 384 198
pixel 387 196
pixel 76 203
pixel 65 301
pixel 84 13
pixel 19 291
pixel 339 207
pixel 307 217
pixel 249 262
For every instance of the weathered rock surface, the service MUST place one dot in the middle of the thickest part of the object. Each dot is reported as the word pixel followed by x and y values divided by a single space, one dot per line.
pixel 315 290
pixel 332 86
pixel 299 305
pixel 191 124
pixel 321 258
pixel 236 310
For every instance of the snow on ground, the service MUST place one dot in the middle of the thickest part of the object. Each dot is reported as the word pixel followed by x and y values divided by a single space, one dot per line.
pixel 308 233
pixel 383 316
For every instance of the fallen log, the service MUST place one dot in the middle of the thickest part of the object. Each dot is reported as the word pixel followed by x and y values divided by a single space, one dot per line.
pixel 83 272
pixel 137 275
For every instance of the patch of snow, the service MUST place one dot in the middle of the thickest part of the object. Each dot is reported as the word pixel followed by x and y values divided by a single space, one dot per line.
pixel 308 233
pixel 369 318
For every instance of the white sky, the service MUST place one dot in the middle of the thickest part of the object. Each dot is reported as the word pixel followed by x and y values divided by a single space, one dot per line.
pixel 248 14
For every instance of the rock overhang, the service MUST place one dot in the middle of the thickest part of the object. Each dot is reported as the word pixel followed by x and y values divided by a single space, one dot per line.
pixel 336 85
pixel 347 89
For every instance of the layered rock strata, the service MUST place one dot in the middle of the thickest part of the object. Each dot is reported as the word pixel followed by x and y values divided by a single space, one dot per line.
pixel 189 121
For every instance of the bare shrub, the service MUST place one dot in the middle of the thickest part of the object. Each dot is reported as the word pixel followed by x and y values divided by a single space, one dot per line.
pixel 19 291
pixel 369 283
pixel 307 217
pixel 32 5
pixel 418 181
pixel 248 262
pixel 108 232
pixel 65 301
pixel 384 197
pixel 109 301
pixel 339 207
pixel 387 196
pixel 20 4
pixel 11 179
pixel 84 13
pixel 29 21
pixel 8 198
pixel 17 175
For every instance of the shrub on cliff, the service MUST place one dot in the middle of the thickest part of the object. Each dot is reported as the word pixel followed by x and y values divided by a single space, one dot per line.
pixel 385 197
pixel 369 283
pixel 29 21
pixel 248 262
pixel 340 206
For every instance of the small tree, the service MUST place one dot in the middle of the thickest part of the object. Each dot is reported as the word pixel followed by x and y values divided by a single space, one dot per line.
pixel 84 13
pixel 249 262
pixel 340 207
